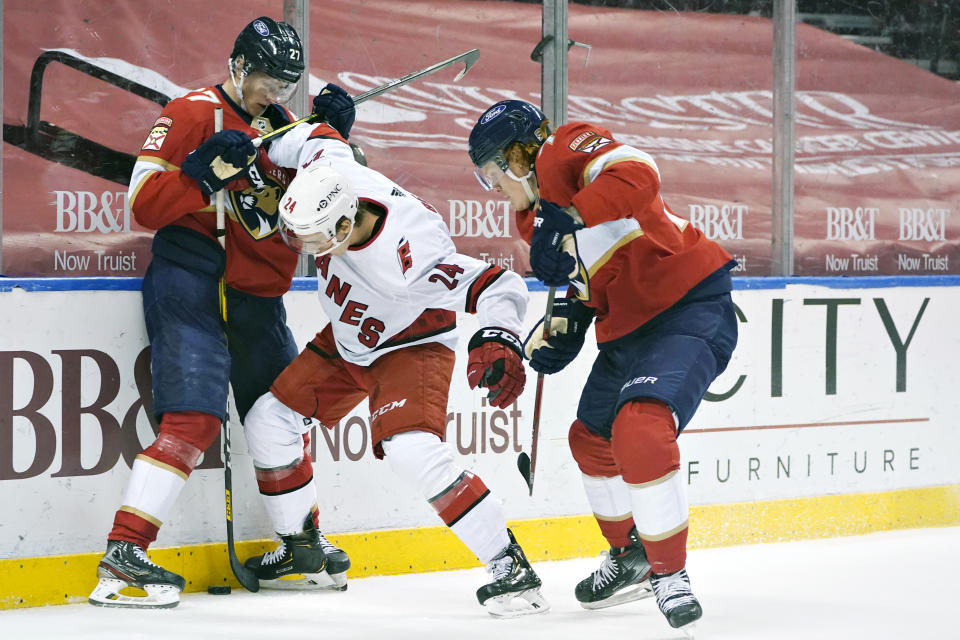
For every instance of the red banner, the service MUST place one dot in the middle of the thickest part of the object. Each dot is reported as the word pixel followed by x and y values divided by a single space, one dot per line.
pixel 877 139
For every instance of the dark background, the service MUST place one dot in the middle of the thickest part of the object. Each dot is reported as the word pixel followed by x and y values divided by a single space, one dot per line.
pixel 924 32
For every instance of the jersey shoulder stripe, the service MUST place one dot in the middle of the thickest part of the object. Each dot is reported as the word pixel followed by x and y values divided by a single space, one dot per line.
pixel 478 286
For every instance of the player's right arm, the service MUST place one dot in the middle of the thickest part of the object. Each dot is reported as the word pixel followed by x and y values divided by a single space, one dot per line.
pixel 499 298
pixel 612 180
pixel 159 193
pixel 307 143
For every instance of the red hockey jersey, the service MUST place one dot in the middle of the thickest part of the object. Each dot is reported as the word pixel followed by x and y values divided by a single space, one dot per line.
pixel 258 261
pixel 636 257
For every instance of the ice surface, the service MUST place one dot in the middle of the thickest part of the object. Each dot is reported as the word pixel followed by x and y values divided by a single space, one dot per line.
pixel 898 585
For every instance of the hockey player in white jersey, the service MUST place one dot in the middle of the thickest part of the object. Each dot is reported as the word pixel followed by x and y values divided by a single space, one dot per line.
pixel 390 281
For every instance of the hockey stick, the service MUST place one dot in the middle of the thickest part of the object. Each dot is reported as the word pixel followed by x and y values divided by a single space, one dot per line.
pixel 468 58
pixel 528 464
pixel 247 578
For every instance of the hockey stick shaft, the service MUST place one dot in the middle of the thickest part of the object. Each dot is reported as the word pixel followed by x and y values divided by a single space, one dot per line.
pixel 468 58
pixel 246 577
pixel 528 464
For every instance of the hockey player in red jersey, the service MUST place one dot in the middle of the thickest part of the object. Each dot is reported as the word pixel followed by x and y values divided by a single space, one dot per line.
pixel 195 354
pixel 390 283
pixel 665 328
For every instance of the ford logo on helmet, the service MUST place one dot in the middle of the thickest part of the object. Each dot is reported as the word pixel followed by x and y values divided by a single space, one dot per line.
pixel 493 113
pixel 261 28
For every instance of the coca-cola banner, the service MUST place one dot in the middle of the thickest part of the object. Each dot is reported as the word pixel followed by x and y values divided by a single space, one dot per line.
pixel 877 139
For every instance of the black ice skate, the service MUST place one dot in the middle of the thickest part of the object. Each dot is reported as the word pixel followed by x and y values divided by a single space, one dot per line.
pixel 623 577
pixel 515 590
pixel 304 560
pixel 126 564
pixel 675 600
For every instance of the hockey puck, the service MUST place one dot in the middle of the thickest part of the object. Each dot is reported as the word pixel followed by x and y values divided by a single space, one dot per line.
pixel 219 590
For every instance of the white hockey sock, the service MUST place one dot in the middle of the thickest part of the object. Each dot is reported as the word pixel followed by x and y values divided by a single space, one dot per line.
pixel 153 489
pixel 287 511
pixel 460 498
pixel 483 529
pixel 659 507
pixel 609 498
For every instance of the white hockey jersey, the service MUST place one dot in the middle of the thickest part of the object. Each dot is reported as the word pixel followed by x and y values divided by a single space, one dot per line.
pixel 405 284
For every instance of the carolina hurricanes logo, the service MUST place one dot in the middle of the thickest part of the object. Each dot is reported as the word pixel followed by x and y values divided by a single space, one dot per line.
pixel 256 206
pixel 403 254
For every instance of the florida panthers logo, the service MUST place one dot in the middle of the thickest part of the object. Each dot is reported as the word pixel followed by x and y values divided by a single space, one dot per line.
pixel 588 142
pixel 255 208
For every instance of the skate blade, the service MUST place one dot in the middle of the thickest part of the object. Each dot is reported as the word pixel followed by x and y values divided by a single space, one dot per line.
pixel 159 596
pixel 322 581
pixel 629 594
pixel 514 605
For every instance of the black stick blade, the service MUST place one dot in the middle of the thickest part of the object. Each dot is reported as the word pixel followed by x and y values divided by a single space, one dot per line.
pixel 247 578
pixel 523 464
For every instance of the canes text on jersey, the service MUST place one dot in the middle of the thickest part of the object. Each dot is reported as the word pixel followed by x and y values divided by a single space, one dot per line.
pixel 370 328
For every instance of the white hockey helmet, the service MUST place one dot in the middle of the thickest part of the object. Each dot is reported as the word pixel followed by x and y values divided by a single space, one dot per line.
pixel 312 209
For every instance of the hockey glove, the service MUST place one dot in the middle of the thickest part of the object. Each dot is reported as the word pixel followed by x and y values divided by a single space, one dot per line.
pixel 221 159
pixel 568 328
pixel 548 259
pixel 494 362
pixel 334 106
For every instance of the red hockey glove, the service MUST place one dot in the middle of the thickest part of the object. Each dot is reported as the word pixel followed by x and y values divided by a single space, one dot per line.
pixel 494 362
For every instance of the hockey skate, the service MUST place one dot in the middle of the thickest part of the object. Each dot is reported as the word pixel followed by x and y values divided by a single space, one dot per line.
pixel 515 590
pixel 127 565
pixel 304 560
pixel 623 577
pixel 676 600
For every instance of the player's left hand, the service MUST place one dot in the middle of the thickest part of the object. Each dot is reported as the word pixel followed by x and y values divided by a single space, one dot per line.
pixel 220 160
pixel 568 330
pixel 334 106
pixel 494 362
pixel 548 259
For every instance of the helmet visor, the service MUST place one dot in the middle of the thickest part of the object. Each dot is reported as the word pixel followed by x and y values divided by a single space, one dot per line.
pixel 490 175
pixel 314 244
pixel 277 90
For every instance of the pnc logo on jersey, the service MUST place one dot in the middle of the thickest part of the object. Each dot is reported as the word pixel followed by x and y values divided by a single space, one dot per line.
pixel 404 255
pixel 588 142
